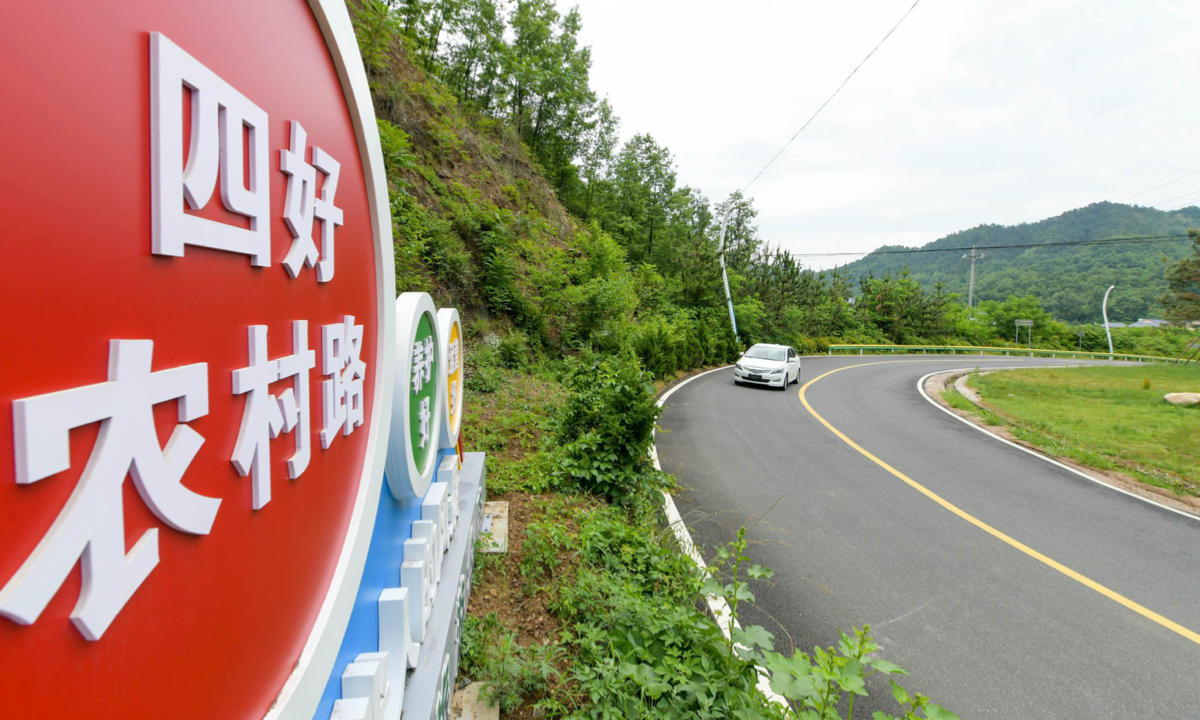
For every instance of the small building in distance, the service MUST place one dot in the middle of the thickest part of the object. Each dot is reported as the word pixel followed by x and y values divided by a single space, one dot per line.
pixel 1143 322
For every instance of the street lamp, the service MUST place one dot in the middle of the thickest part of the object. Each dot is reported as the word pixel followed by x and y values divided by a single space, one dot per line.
pixel 1104 309
pixel 724 276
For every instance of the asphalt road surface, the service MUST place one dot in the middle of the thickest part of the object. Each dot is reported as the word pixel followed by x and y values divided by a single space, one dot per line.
pixel 1045 596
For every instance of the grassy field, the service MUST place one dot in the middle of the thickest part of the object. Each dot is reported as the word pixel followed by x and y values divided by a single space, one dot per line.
pixel 1112 418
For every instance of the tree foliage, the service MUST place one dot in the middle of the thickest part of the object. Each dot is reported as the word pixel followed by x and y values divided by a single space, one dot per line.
pixel 1182 299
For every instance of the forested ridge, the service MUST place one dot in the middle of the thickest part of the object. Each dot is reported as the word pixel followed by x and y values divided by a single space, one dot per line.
pixel 1069 281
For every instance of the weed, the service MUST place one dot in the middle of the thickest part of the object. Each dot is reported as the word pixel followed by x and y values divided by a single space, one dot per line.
pixel 510 672
pixel 514 350
pixel 489 566
pixel 991 418
pixel 957 400
pixel 540 553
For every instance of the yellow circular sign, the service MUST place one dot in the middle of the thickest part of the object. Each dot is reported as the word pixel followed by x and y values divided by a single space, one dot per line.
pixel 450 330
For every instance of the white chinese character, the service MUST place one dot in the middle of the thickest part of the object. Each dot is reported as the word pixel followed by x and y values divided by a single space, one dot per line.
pixel 424 416
pixel 294 402
pixel 219 115
pixel 266 415
pixel 429 356
pixel 453 396
pixel 418 367
pixel 422 363
pixel 452 360
pixel 342 393
pixel 302 205
pixel 90 529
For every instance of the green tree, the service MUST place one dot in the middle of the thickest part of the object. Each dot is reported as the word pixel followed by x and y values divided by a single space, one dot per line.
pixel 597 150
pixel 1182 299
pixel 375 24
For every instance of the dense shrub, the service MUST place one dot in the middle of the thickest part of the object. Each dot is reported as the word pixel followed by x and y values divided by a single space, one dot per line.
pixel 605 430
pixel 513 350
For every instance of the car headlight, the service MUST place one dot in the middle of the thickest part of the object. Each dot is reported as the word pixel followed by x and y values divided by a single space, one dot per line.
pixel 738 366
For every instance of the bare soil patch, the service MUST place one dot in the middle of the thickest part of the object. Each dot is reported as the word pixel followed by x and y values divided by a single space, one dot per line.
pixel 500 590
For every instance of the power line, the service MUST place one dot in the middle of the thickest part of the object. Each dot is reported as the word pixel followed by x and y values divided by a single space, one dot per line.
pixel 831 97
pixel 1164 202
pixel 1161 186
pixel 1189 203
pixel 1100 241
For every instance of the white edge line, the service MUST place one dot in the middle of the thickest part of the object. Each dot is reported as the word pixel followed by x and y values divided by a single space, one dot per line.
pixel 717 606
pixel 1052 461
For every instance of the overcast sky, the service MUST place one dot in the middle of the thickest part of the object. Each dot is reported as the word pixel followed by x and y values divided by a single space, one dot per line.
pixel 988 111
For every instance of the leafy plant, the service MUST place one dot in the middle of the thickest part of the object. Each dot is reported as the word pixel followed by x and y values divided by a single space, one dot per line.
pixel 510 672
pixel 513 350
pixel 606 428
pixel 544 542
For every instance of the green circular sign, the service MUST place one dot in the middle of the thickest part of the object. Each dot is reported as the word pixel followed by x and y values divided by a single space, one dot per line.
pixel 422 388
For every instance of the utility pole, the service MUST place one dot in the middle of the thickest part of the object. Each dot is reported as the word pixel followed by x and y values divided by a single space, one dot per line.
pixel 971 292
pixel 724 277
pixel 1104 309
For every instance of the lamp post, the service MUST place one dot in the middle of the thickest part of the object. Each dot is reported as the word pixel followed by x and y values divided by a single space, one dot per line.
pixel 724 276
pixel 1104 309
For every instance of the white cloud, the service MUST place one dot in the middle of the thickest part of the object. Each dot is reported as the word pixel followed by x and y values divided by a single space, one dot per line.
pixel 999 111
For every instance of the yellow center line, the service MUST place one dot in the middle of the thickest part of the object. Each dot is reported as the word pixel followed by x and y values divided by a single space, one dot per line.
pixel 1082 579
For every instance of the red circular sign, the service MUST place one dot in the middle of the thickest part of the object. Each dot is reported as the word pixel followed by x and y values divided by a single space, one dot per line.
pixel 215 628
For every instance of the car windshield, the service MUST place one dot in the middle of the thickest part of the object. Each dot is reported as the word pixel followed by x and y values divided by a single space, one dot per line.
pixel 760 352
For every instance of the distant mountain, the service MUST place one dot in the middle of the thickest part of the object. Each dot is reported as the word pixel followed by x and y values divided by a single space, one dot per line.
pixel 1069 281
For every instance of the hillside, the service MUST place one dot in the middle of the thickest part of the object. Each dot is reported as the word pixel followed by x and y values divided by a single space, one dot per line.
pixel 1070 282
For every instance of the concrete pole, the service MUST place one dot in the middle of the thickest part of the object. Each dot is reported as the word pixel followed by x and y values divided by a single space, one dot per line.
pixel 725 277
pixel 1104 309
pixel 971 291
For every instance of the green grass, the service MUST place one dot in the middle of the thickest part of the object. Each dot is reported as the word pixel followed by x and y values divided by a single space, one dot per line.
pixel 956 400
pixel 1111 418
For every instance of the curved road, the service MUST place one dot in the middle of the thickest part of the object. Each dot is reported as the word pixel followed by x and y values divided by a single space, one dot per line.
pixel 984 627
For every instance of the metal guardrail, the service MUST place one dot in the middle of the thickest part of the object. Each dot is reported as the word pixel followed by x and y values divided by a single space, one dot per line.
pixel 982 350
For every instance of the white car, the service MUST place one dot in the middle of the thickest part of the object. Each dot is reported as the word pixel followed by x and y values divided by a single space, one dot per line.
pixel 771 365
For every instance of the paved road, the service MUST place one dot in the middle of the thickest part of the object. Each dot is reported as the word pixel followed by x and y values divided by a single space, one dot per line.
pixel 983 628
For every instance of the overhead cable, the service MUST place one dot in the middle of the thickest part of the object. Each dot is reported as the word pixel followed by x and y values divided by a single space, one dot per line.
pixel 1172 182
pixel 1100 241
pixel 831 97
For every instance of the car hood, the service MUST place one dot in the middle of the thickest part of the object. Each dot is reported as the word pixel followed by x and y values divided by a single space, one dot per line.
pixel 757 364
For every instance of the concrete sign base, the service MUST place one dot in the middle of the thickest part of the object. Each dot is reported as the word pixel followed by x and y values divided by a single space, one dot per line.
pixel 430 684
